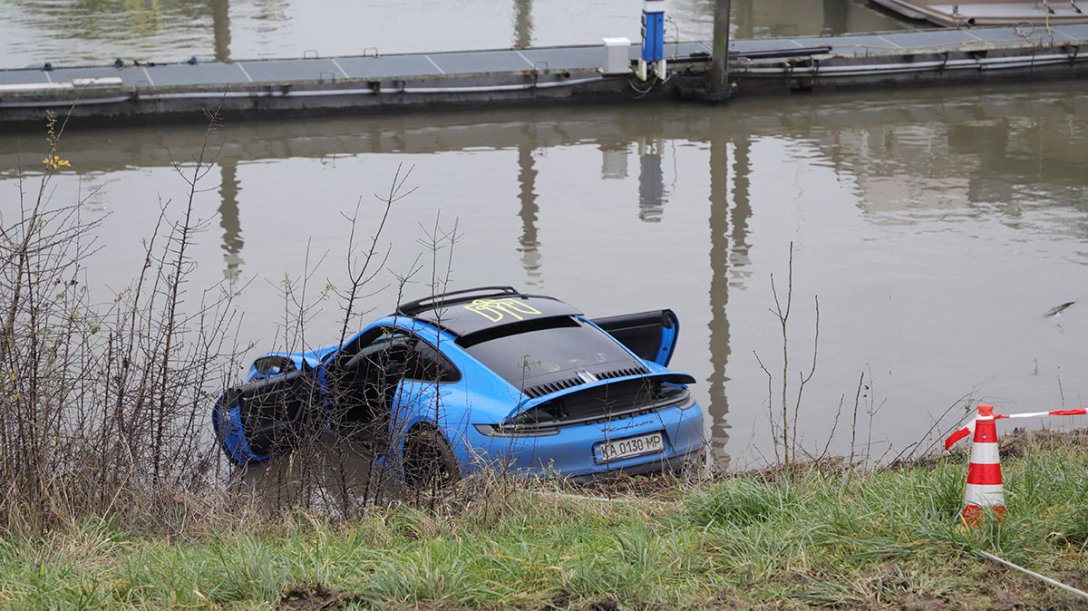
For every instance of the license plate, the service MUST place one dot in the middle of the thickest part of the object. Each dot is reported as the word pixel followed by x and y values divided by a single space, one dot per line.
pixel 626 448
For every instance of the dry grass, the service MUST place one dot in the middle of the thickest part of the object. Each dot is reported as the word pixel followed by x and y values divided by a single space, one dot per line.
pixel 885 538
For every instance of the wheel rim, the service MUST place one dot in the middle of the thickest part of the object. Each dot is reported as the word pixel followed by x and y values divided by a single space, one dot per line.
pixel 427 462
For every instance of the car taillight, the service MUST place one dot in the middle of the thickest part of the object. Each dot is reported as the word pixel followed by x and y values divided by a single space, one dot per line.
pixel 498 430
pixel 687 401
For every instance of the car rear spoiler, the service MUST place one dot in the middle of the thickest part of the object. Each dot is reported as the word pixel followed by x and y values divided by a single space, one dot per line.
pixel 667 377
pixel 436 301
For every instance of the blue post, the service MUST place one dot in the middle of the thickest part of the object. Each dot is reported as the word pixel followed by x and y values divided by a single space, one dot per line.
pixel 653 31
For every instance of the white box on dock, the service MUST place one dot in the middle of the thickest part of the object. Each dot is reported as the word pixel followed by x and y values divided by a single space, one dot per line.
pixel 617 58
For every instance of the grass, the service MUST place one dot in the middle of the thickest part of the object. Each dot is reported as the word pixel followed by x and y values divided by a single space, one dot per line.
pixel 889 538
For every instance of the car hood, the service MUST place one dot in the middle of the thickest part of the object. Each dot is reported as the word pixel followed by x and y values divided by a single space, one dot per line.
pixel 668 376
pixel 314 357
pixel 306 360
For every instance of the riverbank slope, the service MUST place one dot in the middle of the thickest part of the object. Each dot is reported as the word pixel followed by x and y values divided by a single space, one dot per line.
pixel 819 536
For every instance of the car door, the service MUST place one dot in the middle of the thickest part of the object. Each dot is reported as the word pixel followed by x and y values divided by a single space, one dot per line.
pixel 392 381
pixel 650 335
pixel 426 372
pixel 363 379
pixel 267 417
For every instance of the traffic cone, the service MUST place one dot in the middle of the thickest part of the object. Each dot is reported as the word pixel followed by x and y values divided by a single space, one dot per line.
pixel 984 490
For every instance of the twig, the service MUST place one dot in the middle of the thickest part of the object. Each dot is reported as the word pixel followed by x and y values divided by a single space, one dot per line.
pixel 965 398
pixel 803 377
pixel 1029 573
pixel 787 435
pixel 770 405
pixel 854 424
pixel 834 427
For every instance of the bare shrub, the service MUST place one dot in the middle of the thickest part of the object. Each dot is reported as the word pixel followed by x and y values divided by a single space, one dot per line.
pixel 102 405
pixel 346 455
pixel 784 433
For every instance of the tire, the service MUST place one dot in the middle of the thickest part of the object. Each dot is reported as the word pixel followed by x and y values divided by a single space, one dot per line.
pixel 429 462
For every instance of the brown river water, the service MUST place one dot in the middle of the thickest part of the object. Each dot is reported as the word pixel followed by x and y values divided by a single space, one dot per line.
pixel 936 226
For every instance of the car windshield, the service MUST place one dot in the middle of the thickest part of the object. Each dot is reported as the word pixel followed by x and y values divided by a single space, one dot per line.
pixel 564 349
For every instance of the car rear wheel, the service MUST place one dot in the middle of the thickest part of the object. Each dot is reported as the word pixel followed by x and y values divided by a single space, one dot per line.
pixel 429 462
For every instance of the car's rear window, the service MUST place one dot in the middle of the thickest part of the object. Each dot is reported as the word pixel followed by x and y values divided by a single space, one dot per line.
pixel 561 350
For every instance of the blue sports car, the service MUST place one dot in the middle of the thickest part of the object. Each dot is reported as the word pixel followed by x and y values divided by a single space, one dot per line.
pixel 480 378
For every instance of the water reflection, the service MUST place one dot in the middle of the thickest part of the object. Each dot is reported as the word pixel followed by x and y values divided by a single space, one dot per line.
pixel 97 31
pixel 836 16
pixel 963 151
pixel 743 19
pixel 768 18
pixel 916 153
pixel 221 29
pixel 719 286
pixel 229 221
pixel 742 209
pixel 651 182
pixel 614 160
pixel 100 30
pixel 888 200
pixel 523 24
pixel 528 245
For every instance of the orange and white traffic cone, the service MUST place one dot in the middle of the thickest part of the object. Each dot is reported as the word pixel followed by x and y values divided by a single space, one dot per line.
pixel 984 490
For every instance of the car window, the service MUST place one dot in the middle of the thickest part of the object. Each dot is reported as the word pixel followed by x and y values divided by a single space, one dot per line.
pixel 427 364
pixel 353 347
pixel 556 352
pixel 376 348
pixel 400 352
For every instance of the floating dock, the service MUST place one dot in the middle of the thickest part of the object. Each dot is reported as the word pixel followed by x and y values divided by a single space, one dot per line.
pixel 131 92
pixel 968 13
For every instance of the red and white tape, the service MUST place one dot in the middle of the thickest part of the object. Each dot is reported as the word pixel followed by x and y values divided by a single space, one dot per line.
pixel 967 430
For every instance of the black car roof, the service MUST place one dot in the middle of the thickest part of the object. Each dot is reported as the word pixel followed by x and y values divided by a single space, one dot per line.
pixel 483 308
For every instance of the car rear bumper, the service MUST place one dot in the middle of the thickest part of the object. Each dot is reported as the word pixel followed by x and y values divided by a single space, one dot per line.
pixel 675 464
pixel 570 451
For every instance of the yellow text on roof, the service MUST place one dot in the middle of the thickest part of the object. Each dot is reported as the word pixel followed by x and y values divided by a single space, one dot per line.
pixel 496 310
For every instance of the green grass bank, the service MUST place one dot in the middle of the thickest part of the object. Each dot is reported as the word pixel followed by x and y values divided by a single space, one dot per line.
pixel 825 537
